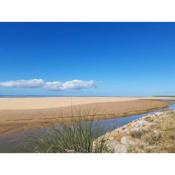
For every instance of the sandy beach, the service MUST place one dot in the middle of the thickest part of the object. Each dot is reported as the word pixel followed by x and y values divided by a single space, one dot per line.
pixel 21 114
pixel 54 102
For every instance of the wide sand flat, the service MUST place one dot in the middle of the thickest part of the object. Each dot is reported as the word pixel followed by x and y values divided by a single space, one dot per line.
pixel 28 113
pixel 54 102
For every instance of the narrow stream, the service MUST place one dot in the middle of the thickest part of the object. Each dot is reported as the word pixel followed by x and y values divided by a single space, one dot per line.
pixel 10 143
pixel 111 124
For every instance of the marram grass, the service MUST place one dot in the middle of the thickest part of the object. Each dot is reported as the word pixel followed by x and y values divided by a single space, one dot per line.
pixel 75 138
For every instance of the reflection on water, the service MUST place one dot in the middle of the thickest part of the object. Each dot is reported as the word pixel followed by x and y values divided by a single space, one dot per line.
pixel 9 144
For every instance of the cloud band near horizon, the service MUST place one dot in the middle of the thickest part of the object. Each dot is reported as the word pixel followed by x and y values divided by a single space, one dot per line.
pixel 52 85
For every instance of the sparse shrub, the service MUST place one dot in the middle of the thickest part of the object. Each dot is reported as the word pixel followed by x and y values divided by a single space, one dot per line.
pixel 75 138
pixel 152 138
pixel 137 133
pixel 168 122
pixel 172 136
pixel 149 119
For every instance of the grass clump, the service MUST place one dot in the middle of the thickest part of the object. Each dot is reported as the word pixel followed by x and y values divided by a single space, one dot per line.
pixel 168 122
pixel 75 138
pixel 152 138
pixel 149 119
pixel 137 133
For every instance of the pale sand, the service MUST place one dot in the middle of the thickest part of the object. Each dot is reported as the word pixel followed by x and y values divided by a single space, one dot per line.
pixel 54 102
pixel 21 114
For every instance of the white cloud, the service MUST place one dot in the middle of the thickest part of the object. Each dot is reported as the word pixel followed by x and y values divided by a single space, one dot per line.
pixel 74 84
pixel 34 83
pixel 78 84
pixel 54 85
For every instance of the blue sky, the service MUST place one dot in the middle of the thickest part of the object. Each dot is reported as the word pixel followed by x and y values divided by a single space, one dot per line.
pixel 118 58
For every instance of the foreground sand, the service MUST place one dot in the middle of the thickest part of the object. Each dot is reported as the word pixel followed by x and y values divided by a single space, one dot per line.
pixel 28 113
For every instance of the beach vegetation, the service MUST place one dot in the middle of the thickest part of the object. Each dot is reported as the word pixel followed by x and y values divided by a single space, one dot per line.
pixel 77 137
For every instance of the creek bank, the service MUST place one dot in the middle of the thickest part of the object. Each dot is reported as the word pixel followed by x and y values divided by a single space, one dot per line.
pixel 152 133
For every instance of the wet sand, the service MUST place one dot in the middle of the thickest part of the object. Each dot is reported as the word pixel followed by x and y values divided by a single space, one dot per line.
pixel 23 114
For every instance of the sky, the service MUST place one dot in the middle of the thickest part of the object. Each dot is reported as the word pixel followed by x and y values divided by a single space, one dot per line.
pixel 87 59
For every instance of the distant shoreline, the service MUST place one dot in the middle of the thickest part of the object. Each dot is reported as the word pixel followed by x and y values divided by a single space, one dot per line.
pixel 44 96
